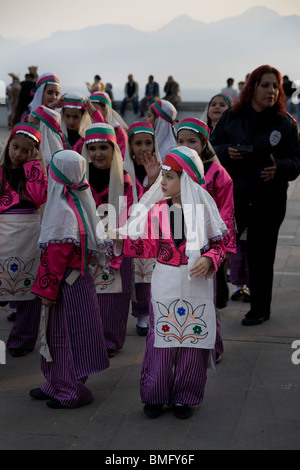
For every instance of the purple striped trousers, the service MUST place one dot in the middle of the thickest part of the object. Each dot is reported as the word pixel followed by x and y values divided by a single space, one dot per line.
pixel 172 375
pixel 76 343
pixel 140 308
pixel 25 330
pixel 114 309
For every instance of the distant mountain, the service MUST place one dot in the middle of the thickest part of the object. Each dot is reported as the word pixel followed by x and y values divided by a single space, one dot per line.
pixel 197 54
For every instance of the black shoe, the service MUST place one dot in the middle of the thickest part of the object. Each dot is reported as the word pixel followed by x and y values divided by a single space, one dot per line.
pixel 38 394
pixel 18 352
pixel 247 299
pixel 218 358
pixel 111 352
pixel 142 331
pixel 250 321
pixel 153 411
pixel 238 295
pixel 182 411
pixel 54 403
pixel 11 316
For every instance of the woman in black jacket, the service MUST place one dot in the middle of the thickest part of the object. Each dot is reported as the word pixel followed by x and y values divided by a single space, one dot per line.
pixel 258 143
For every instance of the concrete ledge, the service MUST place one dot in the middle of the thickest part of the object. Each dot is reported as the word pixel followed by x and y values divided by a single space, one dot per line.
pixel 184 108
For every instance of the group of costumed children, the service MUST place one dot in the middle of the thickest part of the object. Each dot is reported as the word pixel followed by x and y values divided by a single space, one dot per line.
pixel 100 219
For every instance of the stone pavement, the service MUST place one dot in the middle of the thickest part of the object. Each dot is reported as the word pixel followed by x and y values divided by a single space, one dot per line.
pixel 252 402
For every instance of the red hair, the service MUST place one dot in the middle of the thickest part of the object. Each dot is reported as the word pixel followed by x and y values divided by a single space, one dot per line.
pixel 252 81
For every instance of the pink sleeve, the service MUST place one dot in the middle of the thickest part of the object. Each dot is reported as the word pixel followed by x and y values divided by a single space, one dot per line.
pixel 36 183
pixel 121 139
pixel 144 247
pixel 217 254
pixel 225 203
pixel 52 268
pixel 97 116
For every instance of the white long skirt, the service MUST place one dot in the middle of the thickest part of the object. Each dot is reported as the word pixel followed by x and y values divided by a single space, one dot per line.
pixel 184 311
pixel 19 255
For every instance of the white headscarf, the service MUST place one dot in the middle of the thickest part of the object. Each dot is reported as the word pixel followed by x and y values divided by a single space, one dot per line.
pixel 202 218
pixel 52 136
pixel 46 78
pixel 60 224
pixel 76 101
pixel 102 132
pixel 165 113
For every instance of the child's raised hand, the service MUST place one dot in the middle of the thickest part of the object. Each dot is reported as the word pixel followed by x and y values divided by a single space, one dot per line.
pixel 90 107
pixel 34 155
pixel 58 103
pixel 33 120
pixel 152 166
pixel 201 267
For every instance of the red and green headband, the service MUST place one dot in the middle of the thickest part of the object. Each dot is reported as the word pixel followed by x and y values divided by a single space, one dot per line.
pixel 27 129
pixel 77 103
pixel 178 161
pixel 158 111
pixel 48 79
pixel 226 97
pixel 139 127
pixel 50 122
pixel 99 134
pixel 100 97
pixel 195 125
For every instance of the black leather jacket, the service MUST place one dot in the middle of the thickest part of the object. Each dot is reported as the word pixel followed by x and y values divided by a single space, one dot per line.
pixel 267 133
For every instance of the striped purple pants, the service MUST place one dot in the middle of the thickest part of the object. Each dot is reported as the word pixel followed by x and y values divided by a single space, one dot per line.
pixel 140 308
pixel 172 375
pixel 76 343
pixel 25 330
pixel 114 309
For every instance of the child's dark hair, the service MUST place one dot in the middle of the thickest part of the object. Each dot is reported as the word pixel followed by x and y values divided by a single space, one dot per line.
pixel 6 172
pixel 130 144
pixel 206 153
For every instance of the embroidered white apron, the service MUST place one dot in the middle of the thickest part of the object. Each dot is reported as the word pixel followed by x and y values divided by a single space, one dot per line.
pixel 106 281
pixel 19 255
pixel 184 311
pixel 143 269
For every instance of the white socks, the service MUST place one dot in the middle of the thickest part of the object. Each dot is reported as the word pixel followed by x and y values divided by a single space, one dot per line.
pixel 142 321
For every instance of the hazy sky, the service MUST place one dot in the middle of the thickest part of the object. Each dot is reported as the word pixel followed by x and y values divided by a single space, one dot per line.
pixel 23 18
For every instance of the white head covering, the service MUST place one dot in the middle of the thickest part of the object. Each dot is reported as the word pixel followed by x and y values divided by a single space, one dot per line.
pixel 52 136
pixel 112 117
pixel 60 223
pixel 76 101
pixel 137 128
pixel 46 78
pixel 165 113
pixel 202 218
pixel 102 132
